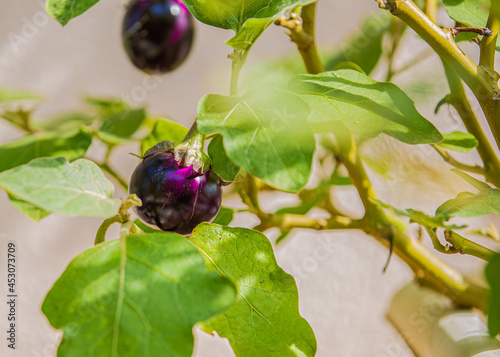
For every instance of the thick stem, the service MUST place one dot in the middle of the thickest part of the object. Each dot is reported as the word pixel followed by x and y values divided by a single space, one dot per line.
pixel 310 54
pixel 430 8
pixel 302 32
pixel 488 43
pixel 483 82
pixel 458 99
pixel 286 222
pixel 465 246
pixel 238 59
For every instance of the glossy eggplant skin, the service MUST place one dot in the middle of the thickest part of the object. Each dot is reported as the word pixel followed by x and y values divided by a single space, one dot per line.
pixel 175 198
pixel 157 34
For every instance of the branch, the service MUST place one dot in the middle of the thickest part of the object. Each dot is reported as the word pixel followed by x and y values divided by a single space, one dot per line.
pixel 458 99
pixel 465 246
pixel 287 222
pixel 488 44
pixel 302 32
pixel 457 164
pixel 481 80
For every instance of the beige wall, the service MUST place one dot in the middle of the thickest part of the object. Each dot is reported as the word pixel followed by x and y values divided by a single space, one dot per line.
pixel 343 293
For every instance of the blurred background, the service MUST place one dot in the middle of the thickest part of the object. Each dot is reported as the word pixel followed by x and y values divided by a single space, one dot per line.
pixel 344 294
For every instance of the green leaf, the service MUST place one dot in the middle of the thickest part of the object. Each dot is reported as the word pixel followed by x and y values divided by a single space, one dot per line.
pixel 224 217
pixel 72 145
pixel 365 47
pixel 249 19
pixel 163 130
pixel 265 132
pixel 12 95
pixel 65 10
pixel 470 12
pixel 366 107
pixel 54 185
pixel 467 204
pixel 107 106
pixel 31 211
pixel 69 120
pixel 138 299
pixel 420 217
pixel 492 273
pixel 221 163
pixel 123 124
pixel 458 141
pixel 265 319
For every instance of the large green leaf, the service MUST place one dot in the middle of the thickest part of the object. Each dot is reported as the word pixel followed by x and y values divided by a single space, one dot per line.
pixel 365 47
pixel 248 19
pixel 493 277
pixel 365 106
pixel 72 145
pixel 163 130
pixel 65 10
pixel 221 164
pixel 459 141
pixel 467 204
pixel 54 185
pixel 469 12
pixel 265 320
pixel 138 299
pixel 265 132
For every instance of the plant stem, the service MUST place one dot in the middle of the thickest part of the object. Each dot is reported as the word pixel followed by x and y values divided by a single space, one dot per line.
pixel 238 59
pixel 288 221
pixel 111 172
pixel 458 99
pixel 465 246
pixel 429 269
pixel 310 55
pixel 488 43
pixel 430 8
pixel 302 33
pixel 103 228
pixel 481 80
pixel 456 164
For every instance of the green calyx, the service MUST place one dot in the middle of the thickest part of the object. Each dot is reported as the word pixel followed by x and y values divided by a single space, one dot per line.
pixel 188 152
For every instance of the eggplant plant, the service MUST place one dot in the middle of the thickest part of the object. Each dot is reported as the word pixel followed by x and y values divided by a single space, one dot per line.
pixel 182 262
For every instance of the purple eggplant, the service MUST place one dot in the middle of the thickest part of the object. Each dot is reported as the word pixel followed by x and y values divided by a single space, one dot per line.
pixel 175 198
pixel 157 34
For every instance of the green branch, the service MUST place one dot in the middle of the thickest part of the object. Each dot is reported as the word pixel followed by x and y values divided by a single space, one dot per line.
pixel 481 80
pixel 465 246
pixel 302 33
pixel 457 164
pixel 488 43
pixel 458 99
